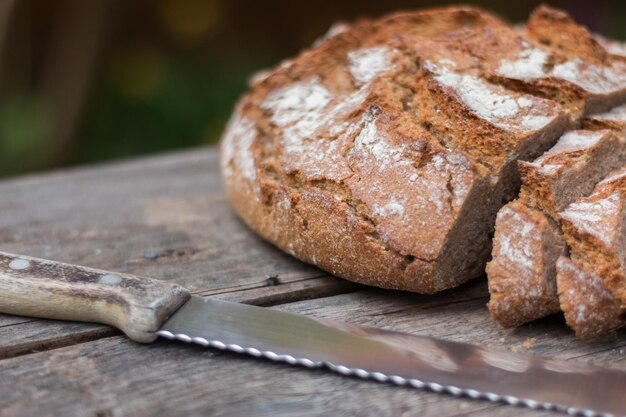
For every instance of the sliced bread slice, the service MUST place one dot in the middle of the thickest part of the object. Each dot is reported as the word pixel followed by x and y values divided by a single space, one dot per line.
pixel 594 228
pixel 522 272
pixel 571 168
pixel 589 307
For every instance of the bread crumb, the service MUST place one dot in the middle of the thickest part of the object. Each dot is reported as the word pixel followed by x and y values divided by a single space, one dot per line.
pixel 529 343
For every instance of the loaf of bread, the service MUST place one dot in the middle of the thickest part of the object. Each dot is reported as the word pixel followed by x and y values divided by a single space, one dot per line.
pixel 383 154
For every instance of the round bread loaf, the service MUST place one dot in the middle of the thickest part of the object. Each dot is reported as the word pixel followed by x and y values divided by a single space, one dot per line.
pixel 383 154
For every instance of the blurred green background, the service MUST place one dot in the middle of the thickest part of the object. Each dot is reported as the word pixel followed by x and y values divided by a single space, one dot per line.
pixel 91 80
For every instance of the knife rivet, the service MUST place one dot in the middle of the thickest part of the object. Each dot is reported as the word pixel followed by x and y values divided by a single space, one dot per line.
pixel 110 279
pixel 19 264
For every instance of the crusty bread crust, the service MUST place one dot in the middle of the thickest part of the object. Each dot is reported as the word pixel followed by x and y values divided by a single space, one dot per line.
pixel 596 74
pixel 383 154
pixel 571 168
pixel 594 228
pixel 588 306
pixel 614 119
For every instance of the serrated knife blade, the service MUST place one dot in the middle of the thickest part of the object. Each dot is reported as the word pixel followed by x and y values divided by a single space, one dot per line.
pixel 403 359
pixel 146 308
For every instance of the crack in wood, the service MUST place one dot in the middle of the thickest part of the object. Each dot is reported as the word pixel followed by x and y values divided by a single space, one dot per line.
pixel 57 343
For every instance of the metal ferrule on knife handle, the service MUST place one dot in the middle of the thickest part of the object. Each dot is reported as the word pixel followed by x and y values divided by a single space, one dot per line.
pixel 54 290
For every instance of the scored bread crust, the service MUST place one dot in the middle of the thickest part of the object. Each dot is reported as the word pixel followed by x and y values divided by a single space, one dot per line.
pixel 596 72
pixel 383 154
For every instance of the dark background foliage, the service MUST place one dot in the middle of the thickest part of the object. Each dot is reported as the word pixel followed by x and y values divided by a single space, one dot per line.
pixel 84 81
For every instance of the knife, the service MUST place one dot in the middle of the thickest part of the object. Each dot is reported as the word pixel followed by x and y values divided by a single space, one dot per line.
pixel 145 309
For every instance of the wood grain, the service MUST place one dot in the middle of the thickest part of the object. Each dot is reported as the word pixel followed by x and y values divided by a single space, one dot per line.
pixel 166 217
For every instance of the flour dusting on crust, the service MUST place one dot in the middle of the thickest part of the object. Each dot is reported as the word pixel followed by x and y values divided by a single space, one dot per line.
pixel 367 64
pixel 302 110
pixel 494 103
pixel 593 217
pixel 617 114
pixel 574 141
pixel 237 147
pixel 593 78
pixel 384 171
pixel 334 30
pixel 317 130
pixel 577 140
pixel 612 46
pixel 529 65
pixel 298 106
pixel 518 245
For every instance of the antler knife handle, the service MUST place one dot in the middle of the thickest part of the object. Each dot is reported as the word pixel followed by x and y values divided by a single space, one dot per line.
pixel 54 290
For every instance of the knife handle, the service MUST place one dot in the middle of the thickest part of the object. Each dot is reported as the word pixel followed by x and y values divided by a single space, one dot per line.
pixel 53 290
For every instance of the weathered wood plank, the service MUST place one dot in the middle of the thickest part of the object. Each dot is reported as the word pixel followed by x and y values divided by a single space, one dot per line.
pixel 172 378
pixel 274 294
pixel 163 217
pixel 40 335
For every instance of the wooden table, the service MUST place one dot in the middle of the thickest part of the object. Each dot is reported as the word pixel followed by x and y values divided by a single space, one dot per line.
pixel 167 217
